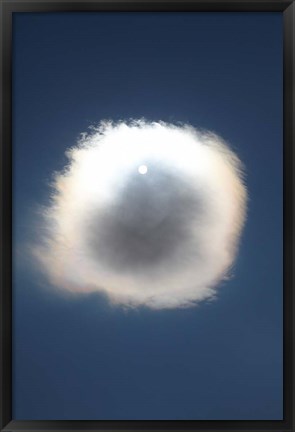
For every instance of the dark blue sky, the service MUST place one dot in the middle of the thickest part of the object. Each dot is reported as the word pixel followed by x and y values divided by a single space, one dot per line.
pixel 81 358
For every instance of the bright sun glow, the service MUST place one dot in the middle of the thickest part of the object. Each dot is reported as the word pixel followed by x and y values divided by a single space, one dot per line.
pixel 142 169
pixel 165 242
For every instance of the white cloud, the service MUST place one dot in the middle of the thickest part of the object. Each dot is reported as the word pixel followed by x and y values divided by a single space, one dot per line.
pixel 164 239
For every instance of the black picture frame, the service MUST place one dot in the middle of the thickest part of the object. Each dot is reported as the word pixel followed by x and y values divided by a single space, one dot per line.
pixel 7 8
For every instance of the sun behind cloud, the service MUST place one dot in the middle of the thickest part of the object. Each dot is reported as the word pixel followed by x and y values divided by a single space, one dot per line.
pixel 149 213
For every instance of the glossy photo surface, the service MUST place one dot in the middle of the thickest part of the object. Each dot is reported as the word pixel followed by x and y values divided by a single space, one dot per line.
pixel 147 216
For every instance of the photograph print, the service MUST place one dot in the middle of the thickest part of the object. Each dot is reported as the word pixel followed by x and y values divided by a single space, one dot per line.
pixel 147 216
